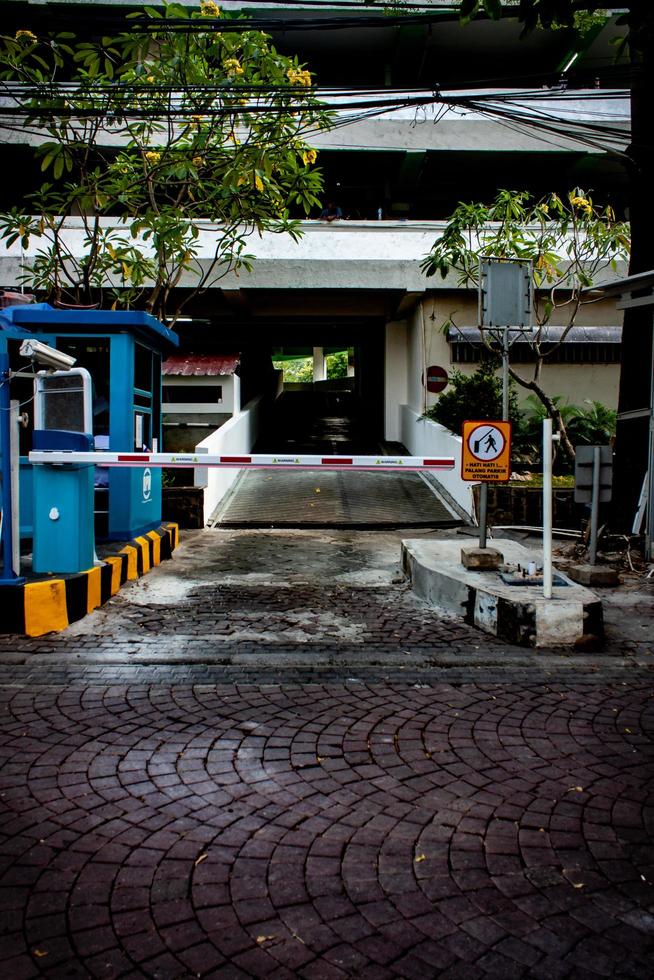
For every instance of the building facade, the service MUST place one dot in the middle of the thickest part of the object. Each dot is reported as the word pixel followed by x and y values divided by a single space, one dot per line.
pixel 496 112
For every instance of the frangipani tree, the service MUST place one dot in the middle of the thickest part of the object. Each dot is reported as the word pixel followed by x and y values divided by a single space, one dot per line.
pixel 571 243
pixel 183 127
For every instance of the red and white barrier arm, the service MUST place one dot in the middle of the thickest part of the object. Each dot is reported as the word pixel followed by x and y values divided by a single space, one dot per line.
pixel 252 461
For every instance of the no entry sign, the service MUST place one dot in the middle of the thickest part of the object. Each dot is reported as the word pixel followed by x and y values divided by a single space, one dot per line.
pixel 437 379
pixel 486 454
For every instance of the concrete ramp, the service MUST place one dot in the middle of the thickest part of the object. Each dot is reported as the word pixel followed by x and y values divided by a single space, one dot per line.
pixel 320 498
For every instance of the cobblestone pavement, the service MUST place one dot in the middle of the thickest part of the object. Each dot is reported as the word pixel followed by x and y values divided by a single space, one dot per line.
pixel 304 599
pixel 362 830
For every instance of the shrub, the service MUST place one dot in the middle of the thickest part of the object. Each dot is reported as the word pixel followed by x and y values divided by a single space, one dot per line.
pixel 475 396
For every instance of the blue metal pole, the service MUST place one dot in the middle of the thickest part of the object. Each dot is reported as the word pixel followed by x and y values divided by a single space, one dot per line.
pixel 8 575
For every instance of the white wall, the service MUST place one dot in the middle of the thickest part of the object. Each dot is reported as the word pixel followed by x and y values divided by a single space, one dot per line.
pixel 415 397
pixel 225 405
pixel 236 437
pixel 575 383
pixel 425 438
pixel 395 378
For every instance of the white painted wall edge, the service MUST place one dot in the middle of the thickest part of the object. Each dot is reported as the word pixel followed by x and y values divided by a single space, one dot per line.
pixel 423 437
pixel 236 437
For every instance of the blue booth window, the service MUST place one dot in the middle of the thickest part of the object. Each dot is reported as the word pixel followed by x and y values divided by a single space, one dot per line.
pixel 93 354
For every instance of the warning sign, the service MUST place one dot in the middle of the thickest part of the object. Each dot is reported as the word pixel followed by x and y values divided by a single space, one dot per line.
pixel 486 452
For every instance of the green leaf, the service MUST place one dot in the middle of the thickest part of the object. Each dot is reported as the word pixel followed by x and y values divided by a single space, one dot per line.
pixel 493 8
pixel 468 9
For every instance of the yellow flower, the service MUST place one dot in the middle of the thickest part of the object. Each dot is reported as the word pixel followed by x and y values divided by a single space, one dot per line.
pixel 297 77
pixel 150 78
pixel 544 208
pixel 582 204
pixel 26 36
pixel 153 157
pixel 257 181
pixel 309 156
pixel 198 161
pixel 209 9
pixel 232 66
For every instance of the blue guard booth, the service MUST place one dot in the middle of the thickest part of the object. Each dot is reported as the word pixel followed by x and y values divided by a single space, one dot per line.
pixel 122 351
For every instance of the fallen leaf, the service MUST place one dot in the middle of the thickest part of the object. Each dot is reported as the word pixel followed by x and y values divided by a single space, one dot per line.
pixel 203 857
pixel 578 884
pixel 317 489
pixel 265 939
pixel 40 952
pixel 575 789
pixel 420 857
pixel 627 730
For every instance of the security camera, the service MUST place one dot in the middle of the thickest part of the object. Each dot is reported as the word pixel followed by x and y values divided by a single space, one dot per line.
pixel 47 356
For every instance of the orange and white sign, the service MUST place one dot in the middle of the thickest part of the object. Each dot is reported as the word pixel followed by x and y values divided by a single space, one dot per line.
pixel 486 455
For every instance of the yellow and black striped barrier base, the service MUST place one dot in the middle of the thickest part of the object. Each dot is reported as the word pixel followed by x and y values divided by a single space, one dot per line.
pixel 51 604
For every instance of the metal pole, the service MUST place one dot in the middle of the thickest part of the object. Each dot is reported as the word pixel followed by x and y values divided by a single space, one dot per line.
pixel 594 505
pixel 505 375
pixel 649 540
pixel 483 512
pixel 15 492
pixel 547 508
pixel 8 575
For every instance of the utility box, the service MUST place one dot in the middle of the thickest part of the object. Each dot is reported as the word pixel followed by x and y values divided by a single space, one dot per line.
pixel 584 456
pixel 505 293
pixel 122 351
pixel 63 506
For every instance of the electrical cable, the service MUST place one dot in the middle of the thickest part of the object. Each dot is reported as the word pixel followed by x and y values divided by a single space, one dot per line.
pixel 510 106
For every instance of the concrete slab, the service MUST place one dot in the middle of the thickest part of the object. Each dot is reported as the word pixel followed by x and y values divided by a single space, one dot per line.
pixel 594 575
pixel 481 559
pixel 516 614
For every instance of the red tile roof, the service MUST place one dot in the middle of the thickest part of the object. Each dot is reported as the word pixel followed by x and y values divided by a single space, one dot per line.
pixel 200 365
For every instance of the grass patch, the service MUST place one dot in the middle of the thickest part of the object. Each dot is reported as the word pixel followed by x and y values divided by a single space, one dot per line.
pixel 536 480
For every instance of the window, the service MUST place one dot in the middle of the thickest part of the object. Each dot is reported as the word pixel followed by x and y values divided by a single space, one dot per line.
pixel 193 394
pixel 464 352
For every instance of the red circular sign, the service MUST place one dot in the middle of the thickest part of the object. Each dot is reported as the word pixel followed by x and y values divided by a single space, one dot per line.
pixel 437 379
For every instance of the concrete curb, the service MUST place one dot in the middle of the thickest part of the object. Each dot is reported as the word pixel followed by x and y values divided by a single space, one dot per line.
pixel 515 614
pixel 52 604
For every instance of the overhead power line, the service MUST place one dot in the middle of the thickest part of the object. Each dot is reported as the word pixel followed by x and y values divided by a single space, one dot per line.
pixel 526 111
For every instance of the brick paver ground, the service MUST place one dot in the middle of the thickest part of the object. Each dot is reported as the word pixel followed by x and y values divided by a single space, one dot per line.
pixel 323 831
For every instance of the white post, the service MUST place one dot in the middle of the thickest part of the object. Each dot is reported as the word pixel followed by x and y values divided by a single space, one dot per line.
pixel 319 365
pixel 594 505
pixel 547 508
pixel 236 395
pixel 14 456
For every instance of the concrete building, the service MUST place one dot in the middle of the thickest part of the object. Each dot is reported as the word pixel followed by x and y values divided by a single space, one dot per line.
pixel 502 112
pixel 200 393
